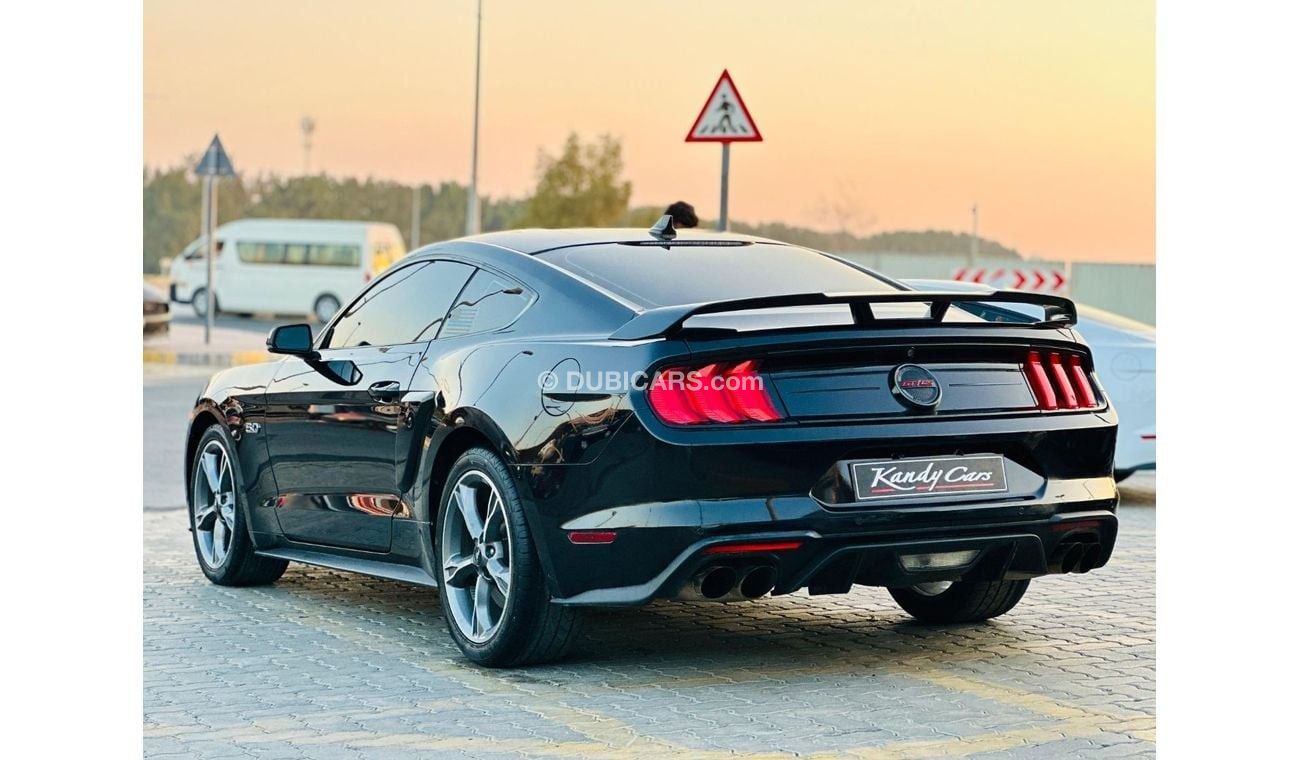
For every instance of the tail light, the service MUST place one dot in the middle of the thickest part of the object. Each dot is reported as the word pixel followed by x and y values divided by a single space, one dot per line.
pixel 1043 392
pixel 719 393
pixel 1060 382
pixel 1081 383
pixel 709 396
pixel 746 393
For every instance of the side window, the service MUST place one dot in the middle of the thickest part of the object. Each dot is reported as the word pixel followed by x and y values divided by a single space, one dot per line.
pixel 296 253
pixel 405 307
pixel 489 302
pixel 308 254
pixel 334 255
pixel 261 253
pixel 200 249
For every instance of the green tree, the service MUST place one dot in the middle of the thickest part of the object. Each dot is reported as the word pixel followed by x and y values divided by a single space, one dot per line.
pixel 172 213
pixel 581 187
pixel 171 206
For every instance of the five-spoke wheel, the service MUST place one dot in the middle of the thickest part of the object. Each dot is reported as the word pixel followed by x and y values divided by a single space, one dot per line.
pixel 475 556
pixel 217 517
pixel 214 503
pixel 493 587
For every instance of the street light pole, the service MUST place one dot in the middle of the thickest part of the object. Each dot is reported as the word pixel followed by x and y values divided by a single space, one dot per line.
pixel 205 229
pixel 308 125
pixel 472 216
pixel 974 235
pixel 415 216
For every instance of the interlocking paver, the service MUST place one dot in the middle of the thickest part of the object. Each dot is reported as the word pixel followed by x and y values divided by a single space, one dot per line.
pixel 326 664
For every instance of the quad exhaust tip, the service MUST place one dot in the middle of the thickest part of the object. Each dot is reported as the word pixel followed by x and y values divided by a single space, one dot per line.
pixel 1071 558
pixel 1075 556
pixel 722 583
pixel 715 583
pixel 758 581
pixel 1089 559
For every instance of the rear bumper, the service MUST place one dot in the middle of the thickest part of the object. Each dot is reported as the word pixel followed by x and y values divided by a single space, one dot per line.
pixel 661 548
pixel 669 500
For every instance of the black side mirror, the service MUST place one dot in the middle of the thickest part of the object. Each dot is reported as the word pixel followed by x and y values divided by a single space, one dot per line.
pixel 294 340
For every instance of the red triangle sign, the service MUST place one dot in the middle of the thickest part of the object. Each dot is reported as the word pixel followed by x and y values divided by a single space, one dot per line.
pixel 724 117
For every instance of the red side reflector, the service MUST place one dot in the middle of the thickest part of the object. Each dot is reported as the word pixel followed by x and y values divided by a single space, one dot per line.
pixel 706 394
pixel 755 547
pixel 1068 399
pixel 1043 392
pixel 592 536
pixel 747 395
pixel 668 398
pixel 1082 385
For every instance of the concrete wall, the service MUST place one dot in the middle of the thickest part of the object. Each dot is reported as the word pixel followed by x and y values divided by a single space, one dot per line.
pixel 1127 289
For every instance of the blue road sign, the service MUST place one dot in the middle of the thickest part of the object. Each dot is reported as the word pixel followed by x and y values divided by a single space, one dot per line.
pixel 215 162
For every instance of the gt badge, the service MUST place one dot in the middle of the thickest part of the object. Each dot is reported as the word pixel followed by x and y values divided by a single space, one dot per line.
pixel 915 386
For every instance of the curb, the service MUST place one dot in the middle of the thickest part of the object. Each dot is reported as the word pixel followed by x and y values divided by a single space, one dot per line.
pixel 1133 497
pixel 205 358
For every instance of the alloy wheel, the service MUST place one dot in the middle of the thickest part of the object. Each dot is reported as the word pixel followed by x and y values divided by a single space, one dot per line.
pixel 932 589
pixel 475 555
pixel 213 501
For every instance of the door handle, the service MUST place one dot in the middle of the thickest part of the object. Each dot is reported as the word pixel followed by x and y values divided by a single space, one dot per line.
pixel 386 390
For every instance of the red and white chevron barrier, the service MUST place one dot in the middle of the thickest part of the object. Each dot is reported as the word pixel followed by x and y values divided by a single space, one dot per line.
pixel 1041 280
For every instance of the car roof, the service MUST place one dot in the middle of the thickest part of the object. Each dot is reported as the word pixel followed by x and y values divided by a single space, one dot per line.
pixel 298 226
pixel 533 240
pixel 633 276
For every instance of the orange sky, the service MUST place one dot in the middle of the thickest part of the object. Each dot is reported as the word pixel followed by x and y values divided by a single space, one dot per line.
pixel 882 114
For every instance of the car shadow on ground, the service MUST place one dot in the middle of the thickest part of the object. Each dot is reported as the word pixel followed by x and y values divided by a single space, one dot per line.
pixel 857 631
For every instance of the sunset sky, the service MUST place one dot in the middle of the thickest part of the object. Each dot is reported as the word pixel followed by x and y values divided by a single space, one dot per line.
pixel 877 114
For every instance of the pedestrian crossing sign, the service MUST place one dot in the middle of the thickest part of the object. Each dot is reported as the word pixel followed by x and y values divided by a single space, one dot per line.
pixel 724 117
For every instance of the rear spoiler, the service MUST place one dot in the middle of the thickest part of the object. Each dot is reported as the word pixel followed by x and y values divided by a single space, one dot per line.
pixel 666 320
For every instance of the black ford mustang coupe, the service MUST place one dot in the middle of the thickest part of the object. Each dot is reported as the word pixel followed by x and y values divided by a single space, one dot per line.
pixel 540 420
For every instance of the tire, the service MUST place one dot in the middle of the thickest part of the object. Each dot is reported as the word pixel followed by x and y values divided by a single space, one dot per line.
pixel 961 602
pixel 520 626
pixel 236 564
pixel 325 307
pixel 199 300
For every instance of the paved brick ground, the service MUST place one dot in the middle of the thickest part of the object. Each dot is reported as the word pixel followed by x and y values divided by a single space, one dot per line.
pixel 326 665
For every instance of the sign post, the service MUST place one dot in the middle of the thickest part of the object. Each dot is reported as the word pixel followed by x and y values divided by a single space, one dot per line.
pixel 724 119
pixel 214 164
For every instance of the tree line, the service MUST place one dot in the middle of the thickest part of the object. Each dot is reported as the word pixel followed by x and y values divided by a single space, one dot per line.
pixel 581 186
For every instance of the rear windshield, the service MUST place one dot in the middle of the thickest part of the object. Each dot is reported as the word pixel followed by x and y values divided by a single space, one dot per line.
pixel 652 276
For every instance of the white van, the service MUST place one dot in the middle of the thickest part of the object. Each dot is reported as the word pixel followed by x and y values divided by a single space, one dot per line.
pixel 286 266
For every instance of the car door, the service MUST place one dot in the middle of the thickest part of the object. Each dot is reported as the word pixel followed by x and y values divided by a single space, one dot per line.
pixel 334 424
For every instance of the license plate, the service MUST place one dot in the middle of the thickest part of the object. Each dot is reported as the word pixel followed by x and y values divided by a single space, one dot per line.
pixel 878 479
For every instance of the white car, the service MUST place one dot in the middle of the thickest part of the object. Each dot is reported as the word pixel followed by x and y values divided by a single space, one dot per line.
pixel 1124 353
pixel 285 266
